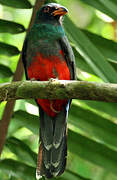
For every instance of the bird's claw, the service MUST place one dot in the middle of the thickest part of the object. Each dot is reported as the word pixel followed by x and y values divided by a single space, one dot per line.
pixel 53 80
pixel 33 79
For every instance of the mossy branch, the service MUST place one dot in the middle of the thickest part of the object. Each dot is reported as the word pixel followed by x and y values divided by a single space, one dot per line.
pixel 59 89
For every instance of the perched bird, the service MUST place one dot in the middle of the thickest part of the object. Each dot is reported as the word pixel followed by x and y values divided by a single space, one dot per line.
pixel 47 54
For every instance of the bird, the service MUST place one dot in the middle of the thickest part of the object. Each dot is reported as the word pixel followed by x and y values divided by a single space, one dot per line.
pixel 47 54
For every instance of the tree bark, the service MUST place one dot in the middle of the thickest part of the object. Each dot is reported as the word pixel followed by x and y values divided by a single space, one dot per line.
pixel 59 89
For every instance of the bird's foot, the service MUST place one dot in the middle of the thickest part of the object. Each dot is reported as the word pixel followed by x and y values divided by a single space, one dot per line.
pixel 53 80
pixel 33 79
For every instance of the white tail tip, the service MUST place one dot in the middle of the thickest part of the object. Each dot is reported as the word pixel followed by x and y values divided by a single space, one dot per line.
pixel 38 176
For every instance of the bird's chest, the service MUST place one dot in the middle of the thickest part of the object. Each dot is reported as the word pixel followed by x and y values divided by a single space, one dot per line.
pixel 44 67
pixel 47 61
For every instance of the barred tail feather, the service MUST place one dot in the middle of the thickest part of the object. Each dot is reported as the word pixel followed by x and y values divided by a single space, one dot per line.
pixel 53 148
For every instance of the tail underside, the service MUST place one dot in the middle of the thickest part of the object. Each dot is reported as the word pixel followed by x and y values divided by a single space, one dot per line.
pixel 53 145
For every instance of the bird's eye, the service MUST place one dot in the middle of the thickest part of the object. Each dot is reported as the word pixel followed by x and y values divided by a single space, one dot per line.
pixel 46 9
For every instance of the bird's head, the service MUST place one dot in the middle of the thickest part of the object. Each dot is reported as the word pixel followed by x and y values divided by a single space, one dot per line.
pixel 51 12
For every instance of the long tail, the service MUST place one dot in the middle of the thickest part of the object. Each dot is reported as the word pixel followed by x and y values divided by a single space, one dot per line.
pixel 53 145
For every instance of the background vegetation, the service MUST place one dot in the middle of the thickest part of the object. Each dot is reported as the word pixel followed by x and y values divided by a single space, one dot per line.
pixel 92 145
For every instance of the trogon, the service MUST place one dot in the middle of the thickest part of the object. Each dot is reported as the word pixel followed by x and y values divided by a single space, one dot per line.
pixel 47 54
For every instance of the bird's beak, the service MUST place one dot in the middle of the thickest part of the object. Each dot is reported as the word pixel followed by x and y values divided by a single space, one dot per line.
pixel 60 11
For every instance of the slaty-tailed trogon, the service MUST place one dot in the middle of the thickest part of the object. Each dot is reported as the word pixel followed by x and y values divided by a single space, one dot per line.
pixel 47 54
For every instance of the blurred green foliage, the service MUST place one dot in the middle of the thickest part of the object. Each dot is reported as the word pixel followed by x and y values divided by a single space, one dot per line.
pixel 92 145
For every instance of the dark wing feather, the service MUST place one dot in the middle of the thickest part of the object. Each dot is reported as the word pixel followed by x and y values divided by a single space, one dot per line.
pixel 24 49
pixel 69 56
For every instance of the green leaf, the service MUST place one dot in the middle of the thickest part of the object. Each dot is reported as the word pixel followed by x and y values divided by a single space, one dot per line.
pixel 107 47
pixel 13 127
pixel 8 50
pixel 90 53
pixel 23 4
pixel 92 151
pixel 22 151
pixel 10 27
pixel 5 71
pixel 108 7
pixel 28 120
pixel 81 63
pixel 12 178
pixel 108 108
pixel 18 169
pixel 68 175
pixel 94 125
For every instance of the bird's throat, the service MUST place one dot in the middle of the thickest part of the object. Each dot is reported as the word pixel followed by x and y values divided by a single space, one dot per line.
pixel 48 31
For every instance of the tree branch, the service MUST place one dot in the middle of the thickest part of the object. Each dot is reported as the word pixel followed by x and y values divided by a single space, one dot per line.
pixel 59 89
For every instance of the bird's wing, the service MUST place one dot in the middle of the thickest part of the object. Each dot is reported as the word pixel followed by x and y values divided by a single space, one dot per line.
pixel 24 49
pixel 69 56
